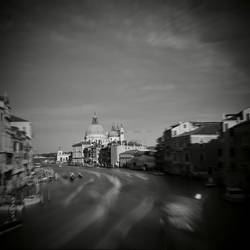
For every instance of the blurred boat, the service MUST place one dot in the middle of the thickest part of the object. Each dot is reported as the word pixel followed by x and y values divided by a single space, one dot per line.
pixel 72 176
pixel 234 194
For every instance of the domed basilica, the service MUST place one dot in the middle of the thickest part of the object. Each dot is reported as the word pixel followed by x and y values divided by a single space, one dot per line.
pixel 94 139
pixel 96 134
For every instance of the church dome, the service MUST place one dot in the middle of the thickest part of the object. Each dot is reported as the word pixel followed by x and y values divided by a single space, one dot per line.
pixel 95 129
pixel 113 132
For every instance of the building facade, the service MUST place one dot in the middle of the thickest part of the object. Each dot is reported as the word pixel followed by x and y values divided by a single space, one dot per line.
pixel 6 145
pixel 62 157
pixel 235 151
pixel 15 145
pixel 95 139
pixel 117 149
pixel 192 148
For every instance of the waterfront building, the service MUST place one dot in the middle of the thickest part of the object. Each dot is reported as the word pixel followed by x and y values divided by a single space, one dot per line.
pixel 230 120
pixel 235 149
pixel 77 153
pixel 105 156
pixel 142 160
pixel 117 149
pixel 190 148
pixel 22 142
pixel 183 127
pixel 95 133
pixel 22 125
pixel 126 157
pixel 94 141
pixel 62 157
pixel 116 134
pixel 6 146
pixel 15 144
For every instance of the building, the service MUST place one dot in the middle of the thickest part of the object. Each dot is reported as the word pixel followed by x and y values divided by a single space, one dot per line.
pixel 184 127
pixel 95 139
pixel 143 160
pixel 95 133
pixel 6 145
pixel 105 156
pixel 77 153
pixel 190 148
pixel 117 149
pixel 138 160
pixel 126 157
pixel 235 149
pixel 15 145
pixel 22 136
pixel 62 157
pixel 22 125
pixel 230 120
pixel 116 134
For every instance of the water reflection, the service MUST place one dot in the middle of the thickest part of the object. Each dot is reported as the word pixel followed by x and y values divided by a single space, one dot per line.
pixel 183 213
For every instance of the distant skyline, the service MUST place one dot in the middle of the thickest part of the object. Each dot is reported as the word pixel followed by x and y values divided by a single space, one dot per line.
pixel 145 64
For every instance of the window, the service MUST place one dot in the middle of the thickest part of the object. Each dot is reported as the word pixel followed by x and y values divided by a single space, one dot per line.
pixel 8 158
pixel 231 132
pixel 186 158
pixel 225 126
pixel 220 152
pixel 231 152
pixel 248 116
pixel 241 115
pixel 232 166
pixel 175 157
pixel 201 157
pixel 220 165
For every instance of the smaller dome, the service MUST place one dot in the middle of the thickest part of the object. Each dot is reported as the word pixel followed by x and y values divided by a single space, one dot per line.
pixel 113 133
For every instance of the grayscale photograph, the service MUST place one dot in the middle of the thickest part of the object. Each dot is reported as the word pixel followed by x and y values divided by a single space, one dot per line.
pixel 125 124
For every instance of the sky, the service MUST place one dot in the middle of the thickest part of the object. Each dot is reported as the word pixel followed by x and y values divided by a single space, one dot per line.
pixel 145 64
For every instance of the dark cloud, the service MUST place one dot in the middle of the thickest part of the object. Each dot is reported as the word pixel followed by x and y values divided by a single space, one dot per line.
pixel 144 63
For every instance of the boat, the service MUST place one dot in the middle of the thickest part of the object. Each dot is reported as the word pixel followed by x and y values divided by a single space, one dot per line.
pixel 72 176
pixel 235 194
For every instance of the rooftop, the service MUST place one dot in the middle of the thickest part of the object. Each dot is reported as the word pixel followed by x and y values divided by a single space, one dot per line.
pixel 131 152
pixel 212 128
pixel 245 123
pixel 17 119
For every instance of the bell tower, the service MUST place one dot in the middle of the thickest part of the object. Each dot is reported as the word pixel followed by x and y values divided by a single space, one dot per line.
pixel 122 137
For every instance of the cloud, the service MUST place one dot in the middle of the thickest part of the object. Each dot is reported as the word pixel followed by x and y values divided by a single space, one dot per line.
pixel 64 112
pixel 168 40
pixel 158 87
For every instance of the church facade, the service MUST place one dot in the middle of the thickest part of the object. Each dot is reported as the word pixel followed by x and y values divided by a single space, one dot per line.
pixel 87 151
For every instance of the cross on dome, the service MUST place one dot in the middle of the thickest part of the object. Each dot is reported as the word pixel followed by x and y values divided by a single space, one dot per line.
pixel 95 119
